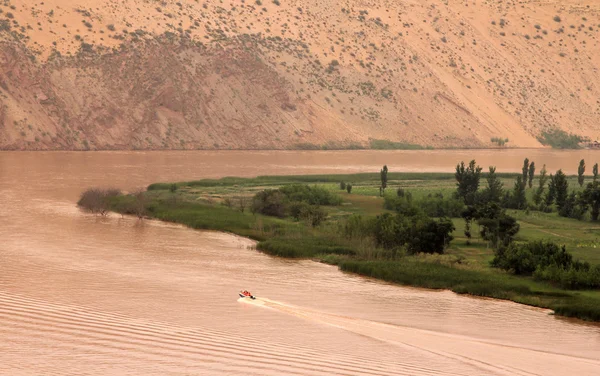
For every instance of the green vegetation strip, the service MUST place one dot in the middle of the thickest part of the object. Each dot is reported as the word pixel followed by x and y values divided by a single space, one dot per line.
pixel 559 139
pixel 473 282
pixel 311 179
pixel 392 145
pixel 224 205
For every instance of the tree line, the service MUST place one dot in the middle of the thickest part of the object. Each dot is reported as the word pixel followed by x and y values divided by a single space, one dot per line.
pixel 551 194
pixel 543 259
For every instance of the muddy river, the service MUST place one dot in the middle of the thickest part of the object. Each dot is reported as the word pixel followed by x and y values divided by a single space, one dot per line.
pixel 83 295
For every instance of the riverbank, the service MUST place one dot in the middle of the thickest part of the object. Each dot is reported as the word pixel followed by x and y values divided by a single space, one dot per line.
pixel 464 268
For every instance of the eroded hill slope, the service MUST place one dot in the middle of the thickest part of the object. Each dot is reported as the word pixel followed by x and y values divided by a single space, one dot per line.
pixel 146 74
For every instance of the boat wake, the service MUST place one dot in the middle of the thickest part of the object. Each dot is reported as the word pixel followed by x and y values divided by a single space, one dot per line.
pixel 488 356
pixel 110 343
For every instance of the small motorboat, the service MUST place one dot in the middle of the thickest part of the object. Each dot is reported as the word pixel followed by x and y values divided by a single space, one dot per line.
pixel 246 294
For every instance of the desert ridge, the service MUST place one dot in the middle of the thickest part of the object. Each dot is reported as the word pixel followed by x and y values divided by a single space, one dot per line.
pixel 91 75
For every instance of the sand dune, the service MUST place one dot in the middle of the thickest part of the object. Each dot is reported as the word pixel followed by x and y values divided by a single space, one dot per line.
pixel 140 74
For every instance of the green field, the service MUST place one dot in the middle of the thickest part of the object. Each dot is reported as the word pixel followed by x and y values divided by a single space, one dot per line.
pixel 463 268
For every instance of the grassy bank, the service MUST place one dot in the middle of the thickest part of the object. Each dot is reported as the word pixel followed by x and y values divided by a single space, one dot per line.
pixel 479 283
pixel 464 268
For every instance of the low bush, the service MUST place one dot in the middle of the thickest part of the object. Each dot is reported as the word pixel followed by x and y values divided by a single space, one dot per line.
pixel 312 195
pixel 298 200
pixel 270 202
pixel 526 258
pixel 438 206
pixel 548 262
pixel 97 200
pixel 312 214
pixel 559 139
pixel 358 227
pixel 417 234
pixel 402 205
pixel 428 235
pixel 500 141
pixel 576 276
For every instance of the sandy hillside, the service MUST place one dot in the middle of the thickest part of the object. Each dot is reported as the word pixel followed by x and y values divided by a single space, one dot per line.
pixel 147 74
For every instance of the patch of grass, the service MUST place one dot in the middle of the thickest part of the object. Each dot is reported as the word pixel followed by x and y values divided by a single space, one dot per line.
pixel 275 236
pixel 312 179
pixel 305 247
pixel 559 139
pixel 306 146
pixel 472 282
pixel 209 217
pixel 328 146
pixel 438 276
pixel 581 238
pixel 391 145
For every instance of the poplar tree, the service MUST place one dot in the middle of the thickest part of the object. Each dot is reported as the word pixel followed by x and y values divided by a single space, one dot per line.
pixel 592 197
pixel 561 186
pixel 531 173
pixel 383 176
pixel 525 171
pixel 519 201
pixel 580 172
pixel 551 194
pixel 493 192
pixel 537 196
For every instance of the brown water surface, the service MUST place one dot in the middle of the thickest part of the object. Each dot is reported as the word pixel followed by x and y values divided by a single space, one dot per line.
pixel 117 296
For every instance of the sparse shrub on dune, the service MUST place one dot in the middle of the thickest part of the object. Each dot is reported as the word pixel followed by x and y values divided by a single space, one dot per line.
pixel 559 139
pixel 356 62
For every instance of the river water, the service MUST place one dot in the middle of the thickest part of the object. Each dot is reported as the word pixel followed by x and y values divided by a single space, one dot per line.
pixel 83 295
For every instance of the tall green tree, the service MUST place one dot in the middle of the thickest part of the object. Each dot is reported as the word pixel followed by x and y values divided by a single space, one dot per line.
pixel 551 194
pixel 580 172
pixel 469 214
pixel 494 190
pixel 595 171
pixel 495 225
pixel 539 192
pixel 518 198
pixel 499 231
pixel 531 173
pixel 384 178
pixel 592 197
pixel 525 171
pixel 561 186
pixel 576 205
pixel 467 181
